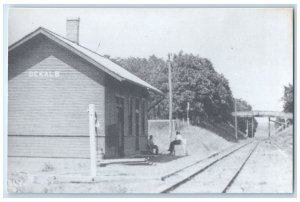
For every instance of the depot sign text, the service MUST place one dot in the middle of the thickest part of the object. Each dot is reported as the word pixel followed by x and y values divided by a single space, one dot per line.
pixel 44 74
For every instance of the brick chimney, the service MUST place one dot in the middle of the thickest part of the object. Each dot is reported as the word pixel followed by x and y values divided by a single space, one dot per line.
pixel 73 29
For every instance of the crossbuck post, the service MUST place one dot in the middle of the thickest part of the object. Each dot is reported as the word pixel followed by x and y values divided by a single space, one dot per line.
pixel 92 130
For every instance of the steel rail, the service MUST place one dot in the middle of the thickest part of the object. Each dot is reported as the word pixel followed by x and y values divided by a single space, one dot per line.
pixel 185 180
pixel 240 169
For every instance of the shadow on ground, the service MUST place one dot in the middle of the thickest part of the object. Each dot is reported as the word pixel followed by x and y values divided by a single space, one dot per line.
pixel 163 158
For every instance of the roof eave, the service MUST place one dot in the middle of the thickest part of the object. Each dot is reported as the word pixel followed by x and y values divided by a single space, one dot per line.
pixel 25 38
pixel 153 89
pixel 52 36
pixel 45 32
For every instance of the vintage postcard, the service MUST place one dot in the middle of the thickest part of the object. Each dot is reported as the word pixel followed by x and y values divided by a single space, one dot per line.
pixel 150 100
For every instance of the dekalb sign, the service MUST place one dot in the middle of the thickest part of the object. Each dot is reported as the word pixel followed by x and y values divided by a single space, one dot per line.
pixel 44 74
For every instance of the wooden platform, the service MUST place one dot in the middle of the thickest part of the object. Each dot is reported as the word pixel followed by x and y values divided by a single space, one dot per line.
pixel 125 161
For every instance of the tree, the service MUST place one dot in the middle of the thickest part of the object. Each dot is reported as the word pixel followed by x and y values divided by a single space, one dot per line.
pixel 194 80
pixel 242 105
pixel 154 71
pixel 288 99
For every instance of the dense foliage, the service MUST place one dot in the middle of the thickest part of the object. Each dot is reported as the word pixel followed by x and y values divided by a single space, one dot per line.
pixel 194 80
pixel 288 99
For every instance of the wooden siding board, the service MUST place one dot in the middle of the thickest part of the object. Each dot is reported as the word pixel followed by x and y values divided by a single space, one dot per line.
pixel 52 106
pixel 58 147
pixel 113 89
pixel 58 106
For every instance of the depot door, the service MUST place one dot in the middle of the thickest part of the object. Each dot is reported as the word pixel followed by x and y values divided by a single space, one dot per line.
pixel 137 127
pixel 120 125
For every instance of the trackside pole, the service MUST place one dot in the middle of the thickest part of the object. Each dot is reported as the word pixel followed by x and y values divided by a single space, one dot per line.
pixel 235 119
pixel 247 128
pixel 92 130
pixel 252 126
pixel 170 98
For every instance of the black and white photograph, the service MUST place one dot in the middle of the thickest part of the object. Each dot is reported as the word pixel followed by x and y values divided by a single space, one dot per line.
pixel 150 100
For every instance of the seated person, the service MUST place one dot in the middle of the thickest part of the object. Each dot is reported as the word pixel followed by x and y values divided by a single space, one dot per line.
pixel 177 141
pixel 151 145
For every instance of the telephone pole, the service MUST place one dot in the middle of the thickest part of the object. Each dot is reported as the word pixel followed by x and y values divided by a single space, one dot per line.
pixel 235 119
pixel 252 126
pixel 170 97
pixel 247 127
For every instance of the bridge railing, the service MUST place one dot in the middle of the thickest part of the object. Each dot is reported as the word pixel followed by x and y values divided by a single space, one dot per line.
pixel 263 114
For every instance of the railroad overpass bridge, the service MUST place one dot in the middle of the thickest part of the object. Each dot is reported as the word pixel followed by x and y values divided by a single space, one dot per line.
pixel 250 114
pixel 269 114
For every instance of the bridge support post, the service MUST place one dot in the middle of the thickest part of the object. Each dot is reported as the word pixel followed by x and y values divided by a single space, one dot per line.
pixel 285 122
pixel 269 126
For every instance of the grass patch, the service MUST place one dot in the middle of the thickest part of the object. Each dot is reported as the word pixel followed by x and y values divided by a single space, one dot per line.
pixel 199 139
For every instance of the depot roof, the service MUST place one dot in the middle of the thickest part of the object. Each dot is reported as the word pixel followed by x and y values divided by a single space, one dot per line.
pixel 99 61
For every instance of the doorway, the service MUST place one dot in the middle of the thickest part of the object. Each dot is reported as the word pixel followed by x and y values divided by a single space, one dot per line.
pixel 137 127
pixel 120 125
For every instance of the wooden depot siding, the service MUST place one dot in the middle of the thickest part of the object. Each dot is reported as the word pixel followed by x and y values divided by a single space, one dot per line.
pixel 49 91
pixel 48 146
pixel 110 123
pixel 47 116
pixel 123 90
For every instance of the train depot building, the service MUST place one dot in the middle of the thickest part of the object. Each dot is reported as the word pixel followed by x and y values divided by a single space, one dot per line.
pixel 52 80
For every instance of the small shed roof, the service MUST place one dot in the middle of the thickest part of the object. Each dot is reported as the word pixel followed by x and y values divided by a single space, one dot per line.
pixel 101 62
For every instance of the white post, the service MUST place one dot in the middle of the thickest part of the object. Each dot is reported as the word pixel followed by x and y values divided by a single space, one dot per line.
pixel 92 130
pixel 188 116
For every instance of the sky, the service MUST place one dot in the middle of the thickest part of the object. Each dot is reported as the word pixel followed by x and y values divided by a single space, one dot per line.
pixel 252 48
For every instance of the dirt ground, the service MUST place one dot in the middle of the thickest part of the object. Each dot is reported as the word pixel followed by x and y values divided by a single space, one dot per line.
pixel 42 175
pixel 215 178
pixel 72 175
pixel 56 176
pixel 270 168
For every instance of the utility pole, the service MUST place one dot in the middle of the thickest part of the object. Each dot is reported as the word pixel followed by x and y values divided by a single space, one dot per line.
pixel 187 114
pixel 252 125
pixel 235 119
pixel 170 97
pixel 247 127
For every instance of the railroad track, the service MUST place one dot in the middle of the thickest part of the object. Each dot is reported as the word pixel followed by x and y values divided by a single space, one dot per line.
pixel 214 174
